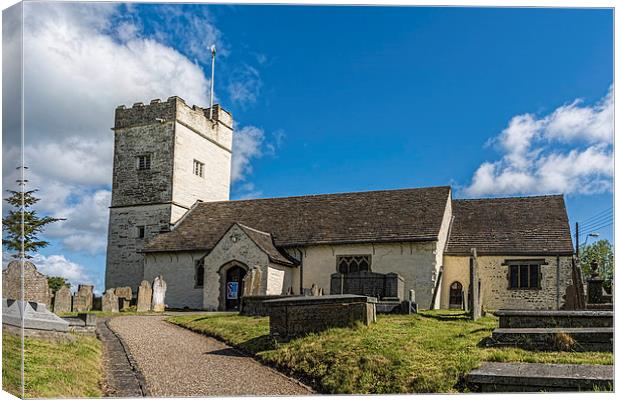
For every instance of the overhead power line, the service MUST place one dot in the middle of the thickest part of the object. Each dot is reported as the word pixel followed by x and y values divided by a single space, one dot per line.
pixel 597 222
pixel 592 230
pixel 596 215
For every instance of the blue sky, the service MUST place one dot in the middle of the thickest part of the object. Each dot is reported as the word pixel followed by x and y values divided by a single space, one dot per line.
pixel 495 102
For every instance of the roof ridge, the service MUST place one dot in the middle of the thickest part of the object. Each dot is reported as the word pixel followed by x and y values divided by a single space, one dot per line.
pixel 326 194
pixel 538 196
pixel 252 229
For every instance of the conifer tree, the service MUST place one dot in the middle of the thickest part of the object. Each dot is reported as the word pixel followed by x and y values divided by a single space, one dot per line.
pixel 33 224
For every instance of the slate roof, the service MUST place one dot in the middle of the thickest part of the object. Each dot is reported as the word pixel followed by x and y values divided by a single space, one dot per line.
pixel 535 225
pixel 265 242
pixel 361 217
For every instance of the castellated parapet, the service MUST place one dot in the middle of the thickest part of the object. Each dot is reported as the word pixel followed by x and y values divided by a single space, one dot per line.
pixel 167 156
pixel 175 108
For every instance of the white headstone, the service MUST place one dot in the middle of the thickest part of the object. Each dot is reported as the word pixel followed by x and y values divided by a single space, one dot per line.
pixel 159 294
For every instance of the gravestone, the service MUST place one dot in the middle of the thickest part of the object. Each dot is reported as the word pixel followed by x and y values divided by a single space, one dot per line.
pixel 595 285
pixel 251 282
pixel 124 296
pixel 36 287
pixel 83 298
pixel 97 303
pixel 474 286
pixel 159 294
pixel 37 319
pixel 145 295
pixel 62 300
pixel 109 302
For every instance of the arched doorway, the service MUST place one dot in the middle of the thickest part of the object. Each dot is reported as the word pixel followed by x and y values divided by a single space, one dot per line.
pixel 231 278
pixel 456 295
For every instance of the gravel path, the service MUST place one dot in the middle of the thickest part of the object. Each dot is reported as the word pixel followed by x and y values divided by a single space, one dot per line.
pixel 178 362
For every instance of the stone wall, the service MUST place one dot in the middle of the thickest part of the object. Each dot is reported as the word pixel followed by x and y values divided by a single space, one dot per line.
pixel 246 253
pixel 214 185
pixel 125 265
pixel 495 293
pixel 415 262
pixel 36 287
pixel 178 270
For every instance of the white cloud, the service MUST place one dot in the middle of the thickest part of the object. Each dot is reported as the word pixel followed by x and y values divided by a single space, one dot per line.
pixel 245 88
pixel 247 144
pixel 568 151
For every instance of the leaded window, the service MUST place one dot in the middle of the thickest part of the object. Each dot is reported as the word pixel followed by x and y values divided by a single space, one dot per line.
pixel 199 168
pixel 356 263
pixel 524 275
pixel 143 162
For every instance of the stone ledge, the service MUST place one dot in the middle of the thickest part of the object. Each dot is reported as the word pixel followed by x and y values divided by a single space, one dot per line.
pixel 553 313
pixel 532 377
pixel 330 298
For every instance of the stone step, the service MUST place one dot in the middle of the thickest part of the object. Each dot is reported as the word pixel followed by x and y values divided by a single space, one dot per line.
pixel 600 306
pixel 558 338
pixel 534 377
pixel 550 319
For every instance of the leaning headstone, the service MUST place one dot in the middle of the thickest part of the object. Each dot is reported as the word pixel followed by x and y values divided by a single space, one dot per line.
pixel 159 294
pixel 124 296
pixel 36 287
pixel 62 300
pixel 145 295
pixel 109 302
pixel 83 299
pixel 314 290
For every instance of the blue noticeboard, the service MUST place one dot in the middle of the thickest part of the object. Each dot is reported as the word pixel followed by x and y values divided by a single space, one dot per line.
pixel 232 289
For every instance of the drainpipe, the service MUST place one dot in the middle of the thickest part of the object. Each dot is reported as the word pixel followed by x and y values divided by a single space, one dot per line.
pixel 557 282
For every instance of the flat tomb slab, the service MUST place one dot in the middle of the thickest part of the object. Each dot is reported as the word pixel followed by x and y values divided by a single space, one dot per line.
pixel 296 316
pixel 585 339
pixel 543 319
pixel 535 377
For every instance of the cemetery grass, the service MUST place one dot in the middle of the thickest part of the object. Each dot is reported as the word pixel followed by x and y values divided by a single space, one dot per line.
pixel 426 353
pixel 53 368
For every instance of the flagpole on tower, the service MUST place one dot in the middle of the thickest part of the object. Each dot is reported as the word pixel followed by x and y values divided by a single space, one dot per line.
pixel 212 81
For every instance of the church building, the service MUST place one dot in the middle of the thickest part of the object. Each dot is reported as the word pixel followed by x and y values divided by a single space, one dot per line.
pixel 171 216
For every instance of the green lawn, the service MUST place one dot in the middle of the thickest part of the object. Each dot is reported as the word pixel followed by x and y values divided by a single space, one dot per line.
pixel 426 353
pixel 53 368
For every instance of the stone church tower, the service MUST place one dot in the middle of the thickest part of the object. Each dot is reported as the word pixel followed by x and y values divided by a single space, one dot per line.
pixel 167 156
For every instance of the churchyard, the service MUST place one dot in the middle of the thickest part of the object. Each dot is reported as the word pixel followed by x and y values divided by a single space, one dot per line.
pixel 429 352
pixel 53 368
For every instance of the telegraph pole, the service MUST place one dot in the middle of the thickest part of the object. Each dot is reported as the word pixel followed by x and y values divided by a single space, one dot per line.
pixel 577 238
pixel 212 81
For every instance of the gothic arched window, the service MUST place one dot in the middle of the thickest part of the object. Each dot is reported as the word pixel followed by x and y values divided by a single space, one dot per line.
pixel 349 264
pixel 199 276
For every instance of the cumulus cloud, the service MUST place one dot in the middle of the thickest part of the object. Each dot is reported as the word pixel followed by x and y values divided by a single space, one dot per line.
pixel 250 143
pixel 83 60
pixel 567 151
pixel 247 144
